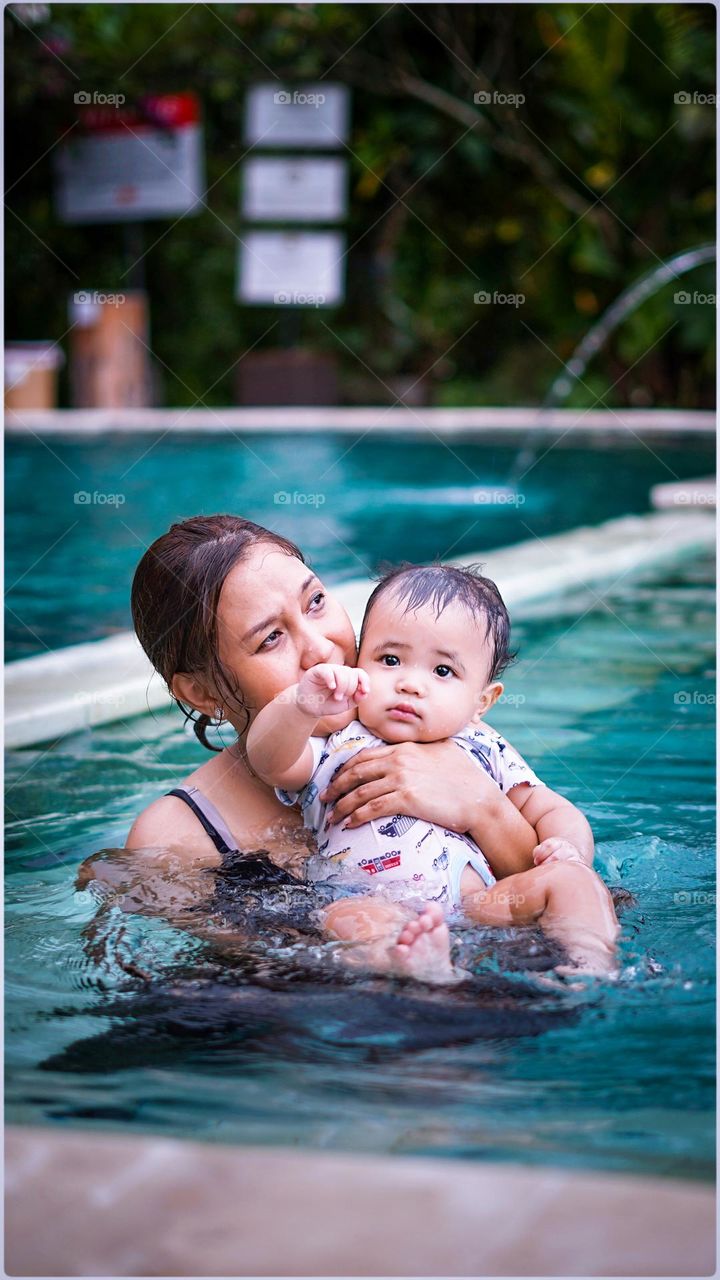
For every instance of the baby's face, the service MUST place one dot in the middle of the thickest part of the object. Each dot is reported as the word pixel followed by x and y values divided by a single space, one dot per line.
pixel 428 675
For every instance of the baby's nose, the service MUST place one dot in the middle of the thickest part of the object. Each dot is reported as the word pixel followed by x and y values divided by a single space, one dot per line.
pixel 411 681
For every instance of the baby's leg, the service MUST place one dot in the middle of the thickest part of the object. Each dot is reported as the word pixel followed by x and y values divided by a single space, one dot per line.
pixel 567 899
pixel 390 939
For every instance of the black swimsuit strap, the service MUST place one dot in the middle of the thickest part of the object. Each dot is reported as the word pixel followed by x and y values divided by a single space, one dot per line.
pixel 252 868
pixel 204 821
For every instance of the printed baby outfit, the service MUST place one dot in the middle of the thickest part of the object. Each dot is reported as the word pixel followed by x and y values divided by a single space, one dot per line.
pixel 407 856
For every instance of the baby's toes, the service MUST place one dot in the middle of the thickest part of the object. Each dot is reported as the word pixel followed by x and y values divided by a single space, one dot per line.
pixel 408 933
pixel 432 915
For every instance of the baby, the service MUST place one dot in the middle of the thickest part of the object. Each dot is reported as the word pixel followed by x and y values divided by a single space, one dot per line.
pixel 433 643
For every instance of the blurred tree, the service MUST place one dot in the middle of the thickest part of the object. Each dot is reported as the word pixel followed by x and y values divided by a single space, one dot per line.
pixel 458 188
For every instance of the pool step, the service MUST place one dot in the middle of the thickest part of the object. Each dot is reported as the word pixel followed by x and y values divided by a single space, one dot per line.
pixel 108 680
pixel 681 494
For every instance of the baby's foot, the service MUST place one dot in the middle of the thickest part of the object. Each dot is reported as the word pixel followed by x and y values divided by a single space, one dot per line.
pixel 422 950
pixel 590 957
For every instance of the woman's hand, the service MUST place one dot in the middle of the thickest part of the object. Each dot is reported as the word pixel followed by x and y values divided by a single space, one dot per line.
pixel 433 781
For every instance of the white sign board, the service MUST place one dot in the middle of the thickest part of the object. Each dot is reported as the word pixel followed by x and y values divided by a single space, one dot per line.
pixel 123 165
pixel 315 115
pixel 295 190
pixel 292 268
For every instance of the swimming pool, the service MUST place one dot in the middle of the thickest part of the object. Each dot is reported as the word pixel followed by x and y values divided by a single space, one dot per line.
pixel 613 703
pixel 349 502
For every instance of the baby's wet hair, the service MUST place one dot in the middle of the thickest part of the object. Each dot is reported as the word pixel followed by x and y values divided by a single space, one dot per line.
pixel 439 585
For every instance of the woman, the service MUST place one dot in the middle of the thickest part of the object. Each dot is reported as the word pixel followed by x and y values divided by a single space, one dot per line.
pixel 230 615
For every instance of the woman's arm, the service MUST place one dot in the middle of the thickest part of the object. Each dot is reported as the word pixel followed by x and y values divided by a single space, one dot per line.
pixel 437 782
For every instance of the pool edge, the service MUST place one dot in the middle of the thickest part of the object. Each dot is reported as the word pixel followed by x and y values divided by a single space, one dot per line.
pixel 121 1205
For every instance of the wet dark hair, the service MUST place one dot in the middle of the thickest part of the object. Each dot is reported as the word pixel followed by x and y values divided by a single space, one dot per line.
pixel 175 596
pixel 439 585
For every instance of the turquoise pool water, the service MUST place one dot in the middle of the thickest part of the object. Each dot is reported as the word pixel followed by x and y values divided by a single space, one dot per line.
pixel 613 703
pixel 349 502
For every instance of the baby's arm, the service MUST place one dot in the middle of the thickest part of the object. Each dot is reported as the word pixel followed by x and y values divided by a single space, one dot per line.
pixel 563 832
pixel 278 742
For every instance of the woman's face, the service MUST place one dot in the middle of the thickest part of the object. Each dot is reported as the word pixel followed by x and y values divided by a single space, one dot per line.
pixel 275 620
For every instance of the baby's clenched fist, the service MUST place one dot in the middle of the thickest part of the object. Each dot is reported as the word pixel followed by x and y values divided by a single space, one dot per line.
pixel 329 688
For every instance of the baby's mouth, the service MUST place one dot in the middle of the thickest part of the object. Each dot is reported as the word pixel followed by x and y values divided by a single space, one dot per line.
pixel 403 711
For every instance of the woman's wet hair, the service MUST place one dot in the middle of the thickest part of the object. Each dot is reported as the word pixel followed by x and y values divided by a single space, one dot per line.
pixel 175 597
pixel 439 585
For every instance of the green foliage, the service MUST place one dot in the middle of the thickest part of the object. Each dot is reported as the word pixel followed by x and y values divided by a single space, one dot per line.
pixel 565 199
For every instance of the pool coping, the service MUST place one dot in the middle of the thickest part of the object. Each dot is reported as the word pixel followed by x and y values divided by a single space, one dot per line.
pixel 153 1206
pixel 629 424
pixel 77 687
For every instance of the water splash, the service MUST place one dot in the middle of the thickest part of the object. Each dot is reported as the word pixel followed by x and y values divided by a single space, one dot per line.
pixel 628 301
pixel 596 337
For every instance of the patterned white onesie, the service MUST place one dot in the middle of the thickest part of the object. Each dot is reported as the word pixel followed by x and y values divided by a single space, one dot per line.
pixel 407 857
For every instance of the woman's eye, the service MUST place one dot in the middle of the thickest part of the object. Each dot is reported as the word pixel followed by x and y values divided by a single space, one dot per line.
pixel 269 640
pixel 318 599
pixel 444 671
pixel 390 660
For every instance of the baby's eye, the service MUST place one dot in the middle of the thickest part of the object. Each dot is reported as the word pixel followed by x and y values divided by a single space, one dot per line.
pixel 444 671
pixel 390 660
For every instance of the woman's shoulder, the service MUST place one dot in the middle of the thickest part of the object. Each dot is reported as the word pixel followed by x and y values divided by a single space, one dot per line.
pixel 169 823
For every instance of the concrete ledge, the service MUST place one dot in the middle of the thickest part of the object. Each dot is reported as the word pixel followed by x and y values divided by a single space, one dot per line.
pixel 79 686
pixel 541 568
pixel 618 424
pixel 82 1204
pixel 681 494
pixel 97 683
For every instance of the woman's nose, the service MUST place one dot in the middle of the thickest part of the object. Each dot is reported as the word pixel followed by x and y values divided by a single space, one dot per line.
pixel 315 649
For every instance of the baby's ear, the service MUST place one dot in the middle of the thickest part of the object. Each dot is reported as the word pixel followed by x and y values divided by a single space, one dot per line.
pixel 487 699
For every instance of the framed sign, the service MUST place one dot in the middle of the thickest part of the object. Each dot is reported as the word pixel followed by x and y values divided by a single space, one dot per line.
pixel 306 189
pixel 122 165
pixel 292 268
pixel 313 116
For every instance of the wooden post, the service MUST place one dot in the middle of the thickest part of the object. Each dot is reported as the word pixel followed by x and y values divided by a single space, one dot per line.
pixel 109 350
pixel 31 375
